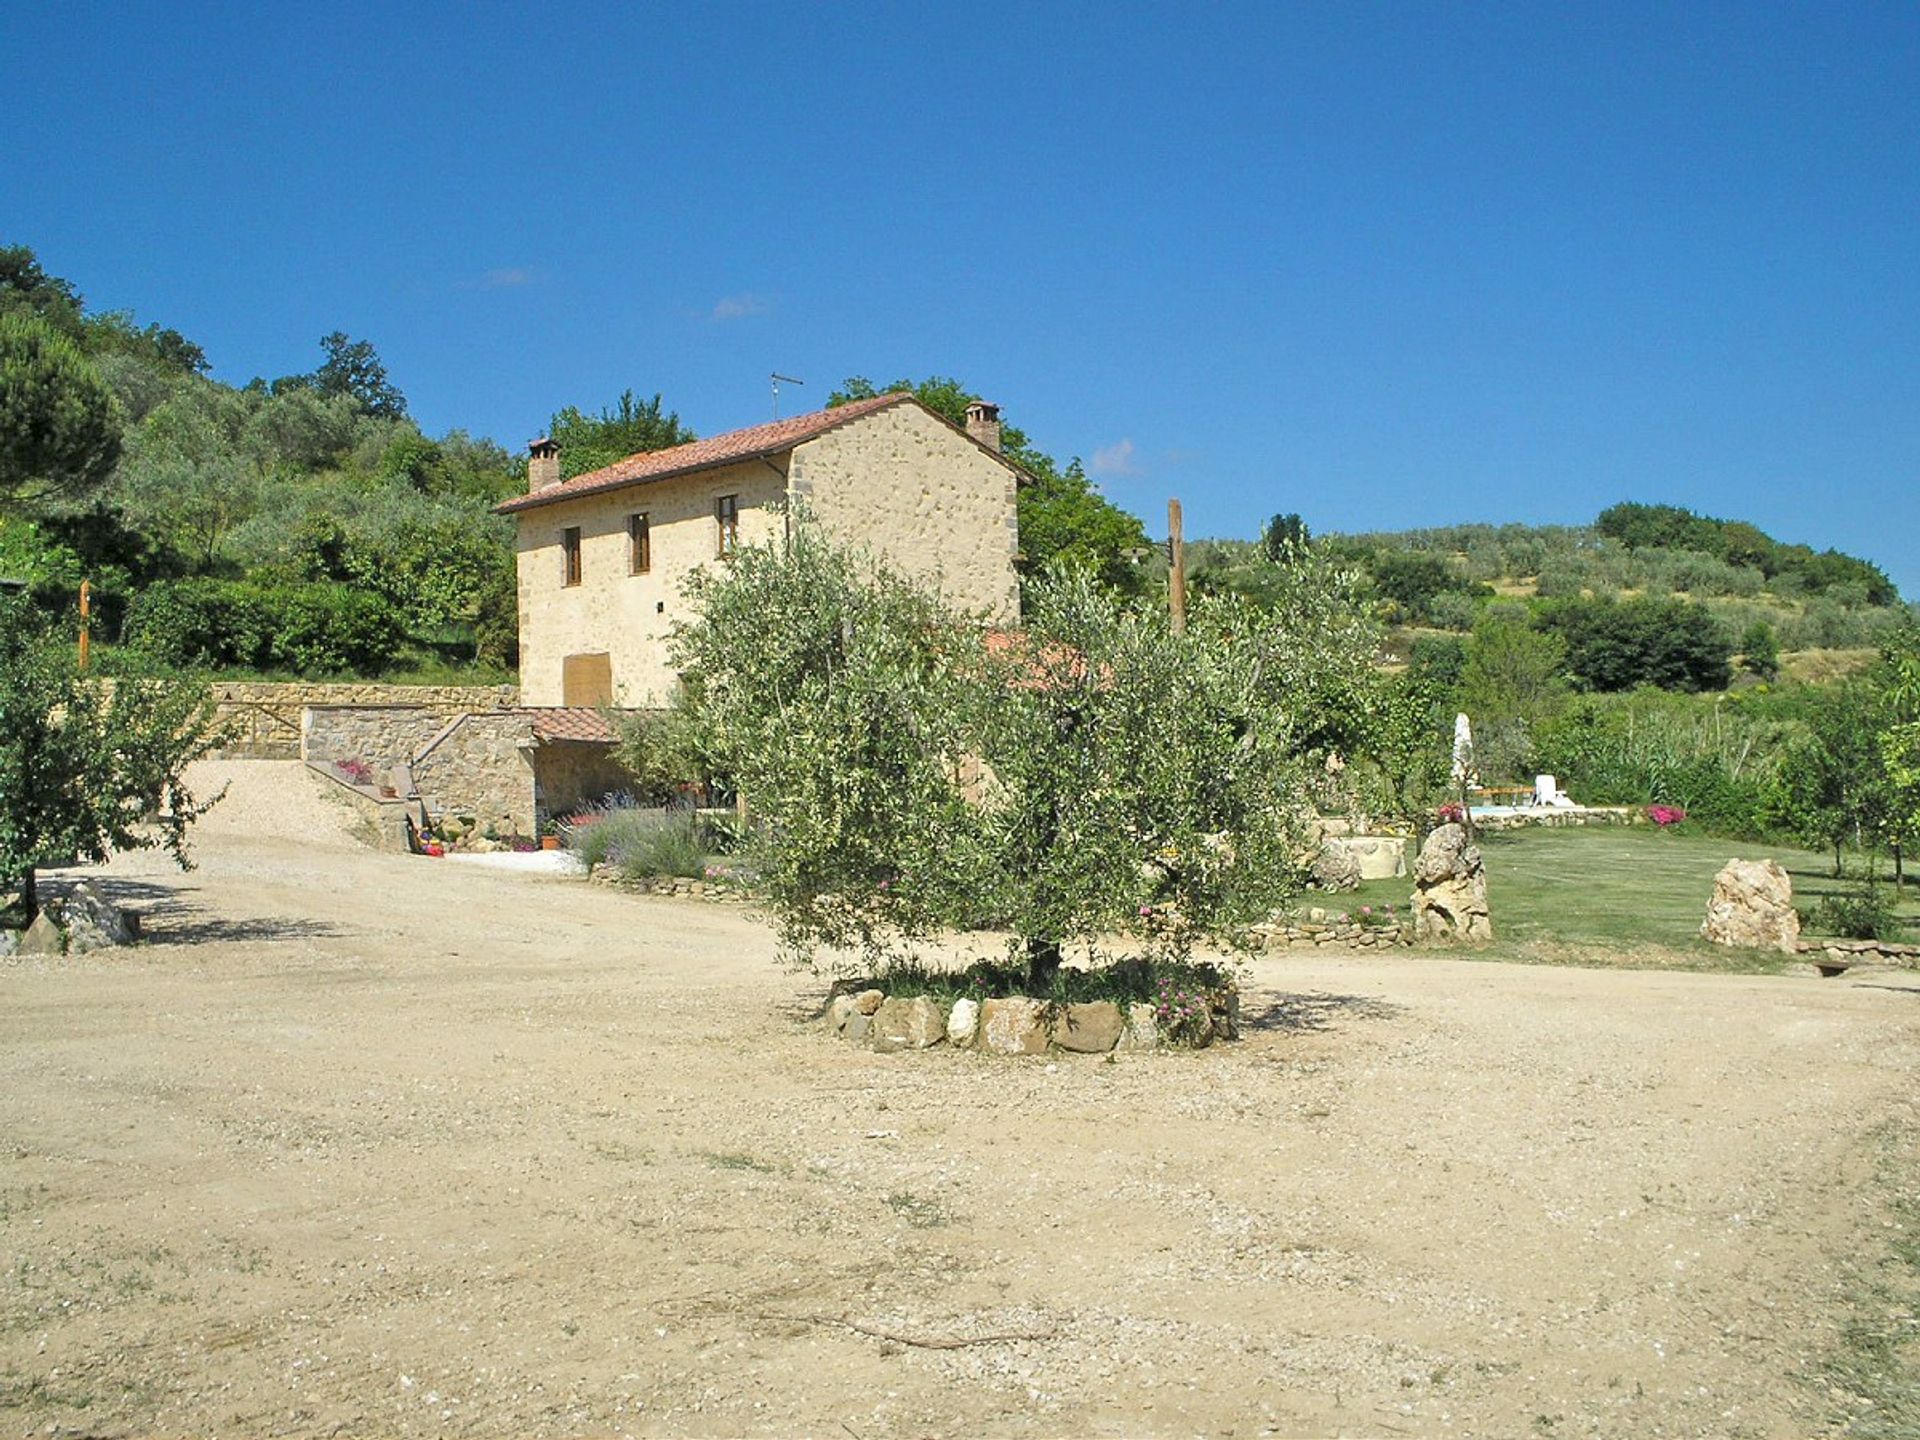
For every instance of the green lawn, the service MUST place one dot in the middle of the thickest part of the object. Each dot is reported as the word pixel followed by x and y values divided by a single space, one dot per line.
pixel 1620 896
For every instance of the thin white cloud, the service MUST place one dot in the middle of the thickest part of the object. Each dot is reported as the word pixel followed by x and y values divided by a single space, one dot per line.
pixel 737 307
pixel 506 279
pixel 1115 459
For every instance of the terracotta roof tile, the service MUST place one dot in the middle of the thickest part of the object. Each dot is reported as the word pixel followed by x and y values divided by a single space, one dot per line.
pixel 570 722
pixel 727 449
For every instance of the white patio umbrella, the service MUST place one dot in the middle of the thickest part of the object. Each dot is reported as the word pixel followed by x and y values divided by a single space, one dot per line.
pixel 1463 774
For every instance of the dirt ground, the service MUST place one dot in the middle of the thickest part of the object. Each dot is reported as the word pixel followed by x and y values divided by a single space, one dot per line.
pixel 368 1144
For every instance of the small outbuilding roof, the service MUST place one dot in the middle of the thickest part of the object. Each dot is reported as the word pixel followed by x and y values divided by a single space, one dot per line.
pixel 571 722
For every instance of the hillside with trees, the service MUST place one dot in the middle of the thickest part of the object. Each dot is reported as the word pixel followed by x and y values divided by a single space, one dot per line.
pixel 302 525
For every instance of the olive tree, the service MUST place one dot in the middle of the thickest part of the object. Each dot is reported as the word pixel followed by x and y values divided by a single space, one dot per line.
pixel 832 694
pixel 1095 776
pixel 87 767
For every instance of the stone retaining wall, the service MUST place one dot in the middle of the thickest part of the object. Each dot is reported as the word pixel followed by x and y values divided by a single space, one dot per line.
pixel 679 886
pixel 384 736
pixel 380 820
pixel 480 767
pixel 1549 818
pixel 262 718
pixel 1295 933
pixel 1865 952
pixel 297 693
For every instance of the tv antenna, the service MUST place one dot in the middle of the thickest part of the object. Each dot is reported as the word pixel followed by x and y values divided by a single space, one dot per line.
pixel 778 380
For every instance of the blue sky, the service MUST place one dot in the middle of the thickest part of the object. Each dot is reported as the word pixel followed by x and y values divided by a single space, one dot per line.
pixel 1385 265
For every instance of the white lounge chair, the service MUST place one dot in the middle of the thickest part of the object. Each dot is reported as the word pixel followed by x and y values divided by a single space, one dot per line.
pixel 1547 792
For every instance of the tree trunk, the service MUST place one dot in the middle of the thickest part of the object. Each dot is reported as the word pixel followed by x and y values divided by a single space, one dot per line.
pixel 1043 964
pixel 29 898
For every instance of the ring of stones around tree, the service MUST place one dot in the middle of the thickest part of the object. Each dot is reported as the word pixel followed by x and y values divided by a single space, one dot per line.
pixel 1021 1025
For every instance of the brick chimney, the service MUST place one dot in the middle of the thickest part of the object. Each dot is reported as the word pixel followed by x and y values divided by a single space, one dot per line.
pixel 983 424
pixel 543 465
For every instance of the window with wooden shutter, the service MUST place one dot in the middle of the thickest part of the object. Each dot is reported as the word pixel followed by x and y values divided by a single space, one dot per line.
pixel 639 546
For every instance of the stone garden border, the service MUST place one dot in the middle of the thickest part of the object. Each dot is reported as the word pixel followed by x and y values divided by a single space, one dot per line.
pixel 1886 952
pixel 1315 927
pixel 1017 1025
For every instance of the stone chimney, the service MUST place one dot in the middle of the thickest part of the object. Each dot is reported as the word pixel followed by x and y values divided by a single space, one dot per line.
pixel 983 424
pixel 543 465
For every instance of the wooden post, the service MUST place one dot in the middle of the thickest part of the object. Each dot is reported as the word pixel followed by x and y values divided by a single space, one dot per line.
pixel 1176 569
pixel 86 609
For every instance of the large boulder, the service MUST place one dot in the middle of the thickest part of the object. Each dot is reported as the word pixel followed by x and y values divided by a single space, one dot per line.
pixel 1092 1028
pixel 43 937
pixel 915 1024
pixel 1142 1030
pixel 1752 907
pixel 1450 889
pixel 840 1009
pixel 1014 1026
pixel 95 922
pixel 1335 867
pixel 963 1022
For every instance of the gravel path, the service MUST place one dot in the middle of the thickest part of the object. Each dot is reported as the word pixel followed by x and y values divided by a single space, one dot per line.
pixel 377 1144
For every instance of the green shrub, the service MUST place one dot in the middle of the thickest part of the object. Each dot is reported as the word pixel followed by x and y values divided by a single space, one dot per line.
pixel 310 629
pixel 1146 980
pixel 318 629
pixel 1620 645
pixel 1861 913
pixel 641 844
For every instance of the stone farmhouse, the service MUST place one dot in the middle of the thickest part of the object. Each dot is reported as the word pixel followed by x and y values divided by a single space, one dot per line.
pixel 602 555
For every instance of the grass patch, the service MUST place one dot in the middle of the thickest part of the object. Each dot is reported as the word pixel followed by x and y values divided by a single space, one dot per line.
pixel 920 1213
pixel 1874 1369
pixel 735 1160
pixel 1622 896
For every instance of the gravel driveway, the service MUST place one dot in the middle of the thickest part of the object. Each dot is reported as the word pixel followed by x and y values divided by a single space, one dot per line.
pixel 375 1144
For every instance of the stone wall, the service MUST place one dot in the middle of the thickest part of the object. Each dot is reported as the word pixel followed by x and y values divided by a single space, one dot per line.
pixel 1863 952
pixel 1550 818
pixel 1323 927
pixel 262 719
pixel 295 694
pixel 382 735
pixel 480 768
pixel 379 820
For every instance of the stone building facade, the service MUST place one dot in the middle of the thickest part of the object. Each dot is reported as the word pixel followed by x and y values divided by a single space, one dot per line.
pixel 603 556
